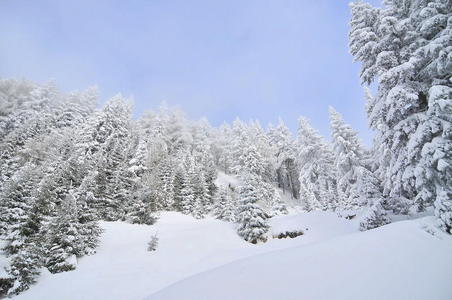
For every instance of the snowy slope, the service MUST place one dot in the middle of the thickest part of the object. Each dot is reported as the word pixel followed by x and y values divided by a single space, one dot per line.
pixel 398 261
pixel 123 269
pixel 331 260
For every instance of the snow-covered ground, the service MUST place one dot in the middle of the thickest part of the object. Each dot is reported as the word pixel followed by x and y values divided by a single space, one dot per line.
pixel 205 259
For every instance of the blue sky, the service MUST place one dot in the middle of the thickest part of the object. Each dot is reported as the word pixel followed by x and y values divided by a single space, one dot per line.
pixel 252 59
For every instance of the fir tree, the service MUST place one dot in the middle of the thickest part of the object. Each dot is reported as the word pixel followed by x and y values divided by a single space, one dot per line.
pixel 165 185
pixel 21 222
pixel 88 229
pixel 63 238
pixel 225 206
pixel 278 207
pixel 375 216
pixel 251 219
pixel 403 45
pixel 24 268
pixel 317 173
pixel 178 184
pixel 187 191
pixel 201 194
pixel 285 159
pixel 355 183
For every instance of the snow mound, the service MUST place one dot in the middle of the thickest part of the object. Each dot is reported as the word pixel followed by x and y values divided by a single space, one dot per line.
pixel 397 261
pixel 122 268
pixel 316 225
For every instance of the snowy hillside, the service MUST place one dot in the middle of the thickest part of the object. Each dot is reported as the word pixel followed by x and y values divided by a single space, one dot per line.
pixel 206 259
pixel 356 266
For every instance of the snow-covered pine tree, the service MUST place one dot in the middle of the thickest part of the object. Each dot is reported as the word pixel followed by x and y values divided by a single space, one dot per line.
pixel 166 185
pixel 178 183
pixel 433 170
pixel 225 206
pixel 238 144
pixel 187 196
pixel 223 148
pixel 138 163
pixel 278 207
pixel 251 161
pixel 443 210
pixel 251 219
pixel 375 216
pixel 187 189
pixel 201 193
pixel 405 46
pixel 199 210
pixel 317 173
pixel 285 159
pixel 88 228
pixel 24 268
pixel 348 155
pixel 21 224
pixel 63 238
pixel 104 142
pixel 39 122
pixel 31 117
pixel 113 180
pixel 262 143
pixel 355 183
pixel 140 201
pixel 17 202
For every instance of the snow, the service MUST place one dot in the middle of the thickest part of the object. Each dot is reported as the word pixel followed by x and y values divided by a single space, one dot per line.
pixel 412 264
pixel 207 255
pixel 225 180
pixel 316 225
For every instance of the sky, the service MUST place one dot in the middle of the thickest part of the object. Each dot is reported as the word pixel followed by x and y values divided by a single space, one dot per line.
pixel 219 59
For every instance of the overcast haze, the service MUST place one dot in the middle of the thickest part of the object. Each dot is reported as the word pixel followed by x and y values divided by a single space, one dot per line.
pixel 218 59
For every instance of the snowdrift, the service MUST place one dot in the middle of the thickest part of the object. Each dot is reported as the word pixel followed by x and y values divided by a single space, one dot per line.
pixel 122 269
pixel 205 259
pixel 398 261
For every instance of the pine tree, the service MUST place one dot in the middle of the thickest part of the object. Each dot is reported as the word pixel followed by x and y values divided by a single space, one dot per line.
pixel 103 146
pixel 251 219
pixel 166 185
pixel 223 148
pixel 374 216
pixel 356 184
pixel 140 203
pixel 63 238
pixel 278 207
pixel 24 268
pixel 112 182
pixel 187 192
pixel 225 206
pixel 199 210
pixel 187 197
pixel 404 46
pixel 285 159
pixel 88 229
pixel 21 224
pixel 201 194
pixel 250 161
pixel 348 156
pixel 443 210
pixel 433 168
pixel 317 173
pixel 178 183
pixel 17 202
